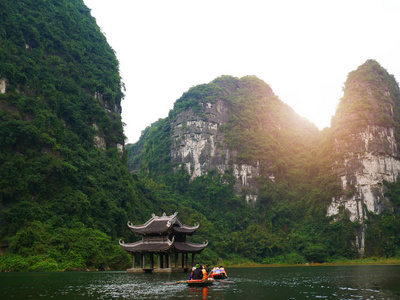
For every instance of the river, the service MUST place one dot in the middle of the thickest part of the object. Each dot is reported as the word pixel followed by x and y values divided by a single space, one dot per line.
pixel 322 282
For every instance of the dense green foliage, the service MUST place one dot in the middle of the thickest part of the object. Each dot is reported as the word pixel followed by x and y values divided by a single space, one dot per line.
pixel 383 231
pixel 371 96
pixel 63 201
pixel 66 193
pixel 288 223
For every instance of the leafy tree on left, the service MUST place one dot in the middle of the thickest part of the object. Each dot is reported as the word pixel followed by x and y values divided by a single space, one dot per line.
pixel 63 202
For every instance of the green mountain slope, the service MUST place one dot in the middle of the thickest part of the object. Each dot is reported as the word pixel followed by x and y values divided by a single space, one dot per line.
pixel 365 151
pixel 287 222
pixel 371 97
pixel 65 192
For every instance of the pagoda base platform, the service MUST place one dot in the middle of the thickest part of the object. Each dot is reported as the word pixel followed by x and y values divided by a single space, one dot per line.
pixel 135 270
pixel 163 270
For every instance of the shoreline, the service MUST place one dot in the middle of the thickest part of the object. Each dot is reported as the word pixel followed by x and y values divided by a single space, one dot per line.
pixel 356 262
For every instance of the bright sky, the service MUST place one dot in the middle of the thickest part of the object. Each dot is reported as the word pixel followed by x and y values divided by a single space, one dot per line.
pixel 303 49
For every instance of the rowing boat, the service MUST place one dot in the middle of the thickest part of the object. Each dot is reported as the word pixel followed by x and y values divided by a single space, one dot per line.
pixel 219 276
pixel 200 282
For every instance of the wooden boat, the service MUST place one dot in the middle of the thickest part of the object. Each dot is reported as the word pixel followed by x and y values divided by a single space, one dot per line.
pixel 220 276
pixel 200 282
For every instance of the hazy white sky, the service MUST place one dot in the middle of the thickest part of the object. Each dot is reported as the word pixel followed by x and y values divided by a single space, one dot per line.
pixel 302 49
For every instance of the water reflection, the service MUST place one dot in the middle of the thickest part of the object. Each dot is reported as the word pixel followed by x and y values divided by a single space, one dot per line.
pixel 353 282
pixel 361 282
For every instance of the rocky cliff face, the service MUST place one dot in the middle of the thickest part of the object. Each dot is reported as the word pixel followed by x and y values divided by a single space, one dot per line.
pixel 366 144
pixel 113 110
pixel 198 142
pixel 229 125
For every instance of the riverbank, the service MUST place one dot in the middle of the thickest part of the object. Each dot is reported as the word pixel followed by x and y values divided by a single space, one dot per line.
pixel 16 263
pixel 360 261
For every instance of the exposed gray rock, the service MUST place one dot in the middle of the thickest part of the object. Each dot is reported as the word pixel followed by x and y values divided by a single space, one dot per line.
pixel 3 85
pixel 198 143
pixel 365 145
pixel 98 140
pixel 372 157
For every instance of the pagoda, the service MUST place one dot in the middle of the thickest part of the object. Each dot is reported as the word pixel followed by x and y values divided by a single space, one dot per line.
pixel 164 237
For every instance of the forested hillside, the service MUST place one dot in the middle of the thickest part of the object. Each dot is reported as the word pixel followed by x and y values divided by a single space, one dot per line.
pixel 65 192
pixel 264 184
pixel 287 223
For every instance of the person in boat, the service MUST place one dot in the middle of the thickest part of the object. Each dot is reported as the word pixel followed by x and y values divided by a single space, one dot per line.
pixel 197 273
pixel 215 271
pixel 205 275
pixel 222 271
pixel 208 269
pixel 191 273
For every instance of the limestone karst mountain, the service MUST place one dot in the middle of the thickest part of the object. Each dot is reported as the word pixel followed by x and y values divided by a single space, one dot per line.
pixel 230 155
pixel 230 124
pixel 63 178
pixel 240 126
pixel 366 131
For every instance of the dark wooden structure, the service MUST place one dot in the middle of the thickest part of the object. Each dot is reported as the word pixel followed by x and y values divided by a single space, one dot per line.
pixel 164 237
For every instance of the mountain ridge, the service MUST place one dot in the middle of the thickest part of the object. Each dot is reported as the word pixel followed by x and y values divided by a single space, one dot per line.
pixel 259 179
pixel 262 144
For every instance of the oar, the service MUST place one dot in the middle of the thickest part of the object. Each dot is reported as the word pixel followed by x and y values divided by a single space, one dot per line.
pixel 226 281
pixel 176 282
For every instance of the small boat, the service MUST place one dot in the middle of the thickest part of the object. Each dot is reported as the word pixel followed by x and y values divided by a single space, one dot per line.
pixel 200 282
pixel 220 276
pixel 218 273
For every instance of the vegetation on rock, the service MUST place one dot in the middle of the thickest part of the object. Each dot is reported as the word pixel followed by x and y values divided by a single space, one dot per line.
pixel 64 201
pixel 65 189
pixel 288 222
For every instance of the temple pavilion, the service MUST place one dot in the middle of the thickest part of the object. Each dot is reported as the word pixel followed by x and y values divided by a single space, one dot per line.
pixel 165 238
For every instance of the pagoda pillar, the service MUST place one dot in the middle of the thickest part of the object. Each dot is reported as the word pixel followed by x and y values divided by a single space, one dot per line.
pixel 186 258
pixel 169 260
pixel 133 261
pixel 143 260
pixel 151 260
pixel 176 260
pixel 159 261
pixel 183 260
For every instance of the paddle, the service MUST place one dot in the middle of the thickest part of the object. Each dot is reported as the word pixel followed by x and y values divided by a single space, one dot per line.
pixel 176 282
pixel 226 281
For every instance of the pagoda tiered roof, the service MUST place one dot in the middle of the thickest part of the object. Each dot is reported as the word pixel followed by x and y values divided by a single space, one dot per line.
pixel 158 235
pixel 189 247
pixel 163 224
pixel 142 246
pixel 182 247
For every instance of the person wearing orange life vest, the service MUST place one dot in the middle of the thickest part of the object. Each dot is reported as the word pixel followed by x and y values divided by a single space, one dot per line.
pixel 205 275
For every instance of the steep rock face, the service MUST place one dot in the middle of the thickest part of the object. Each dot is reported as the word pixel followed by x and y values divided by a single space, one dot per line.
pixel 228 125
pixel 3 85
pixel 365 144
pixel 363 169
pixel 198 142
pixel 112 110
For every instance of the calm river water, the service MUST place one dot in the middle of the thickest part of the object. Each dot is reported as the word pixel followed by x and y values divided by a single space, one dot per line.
pixel 349 282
